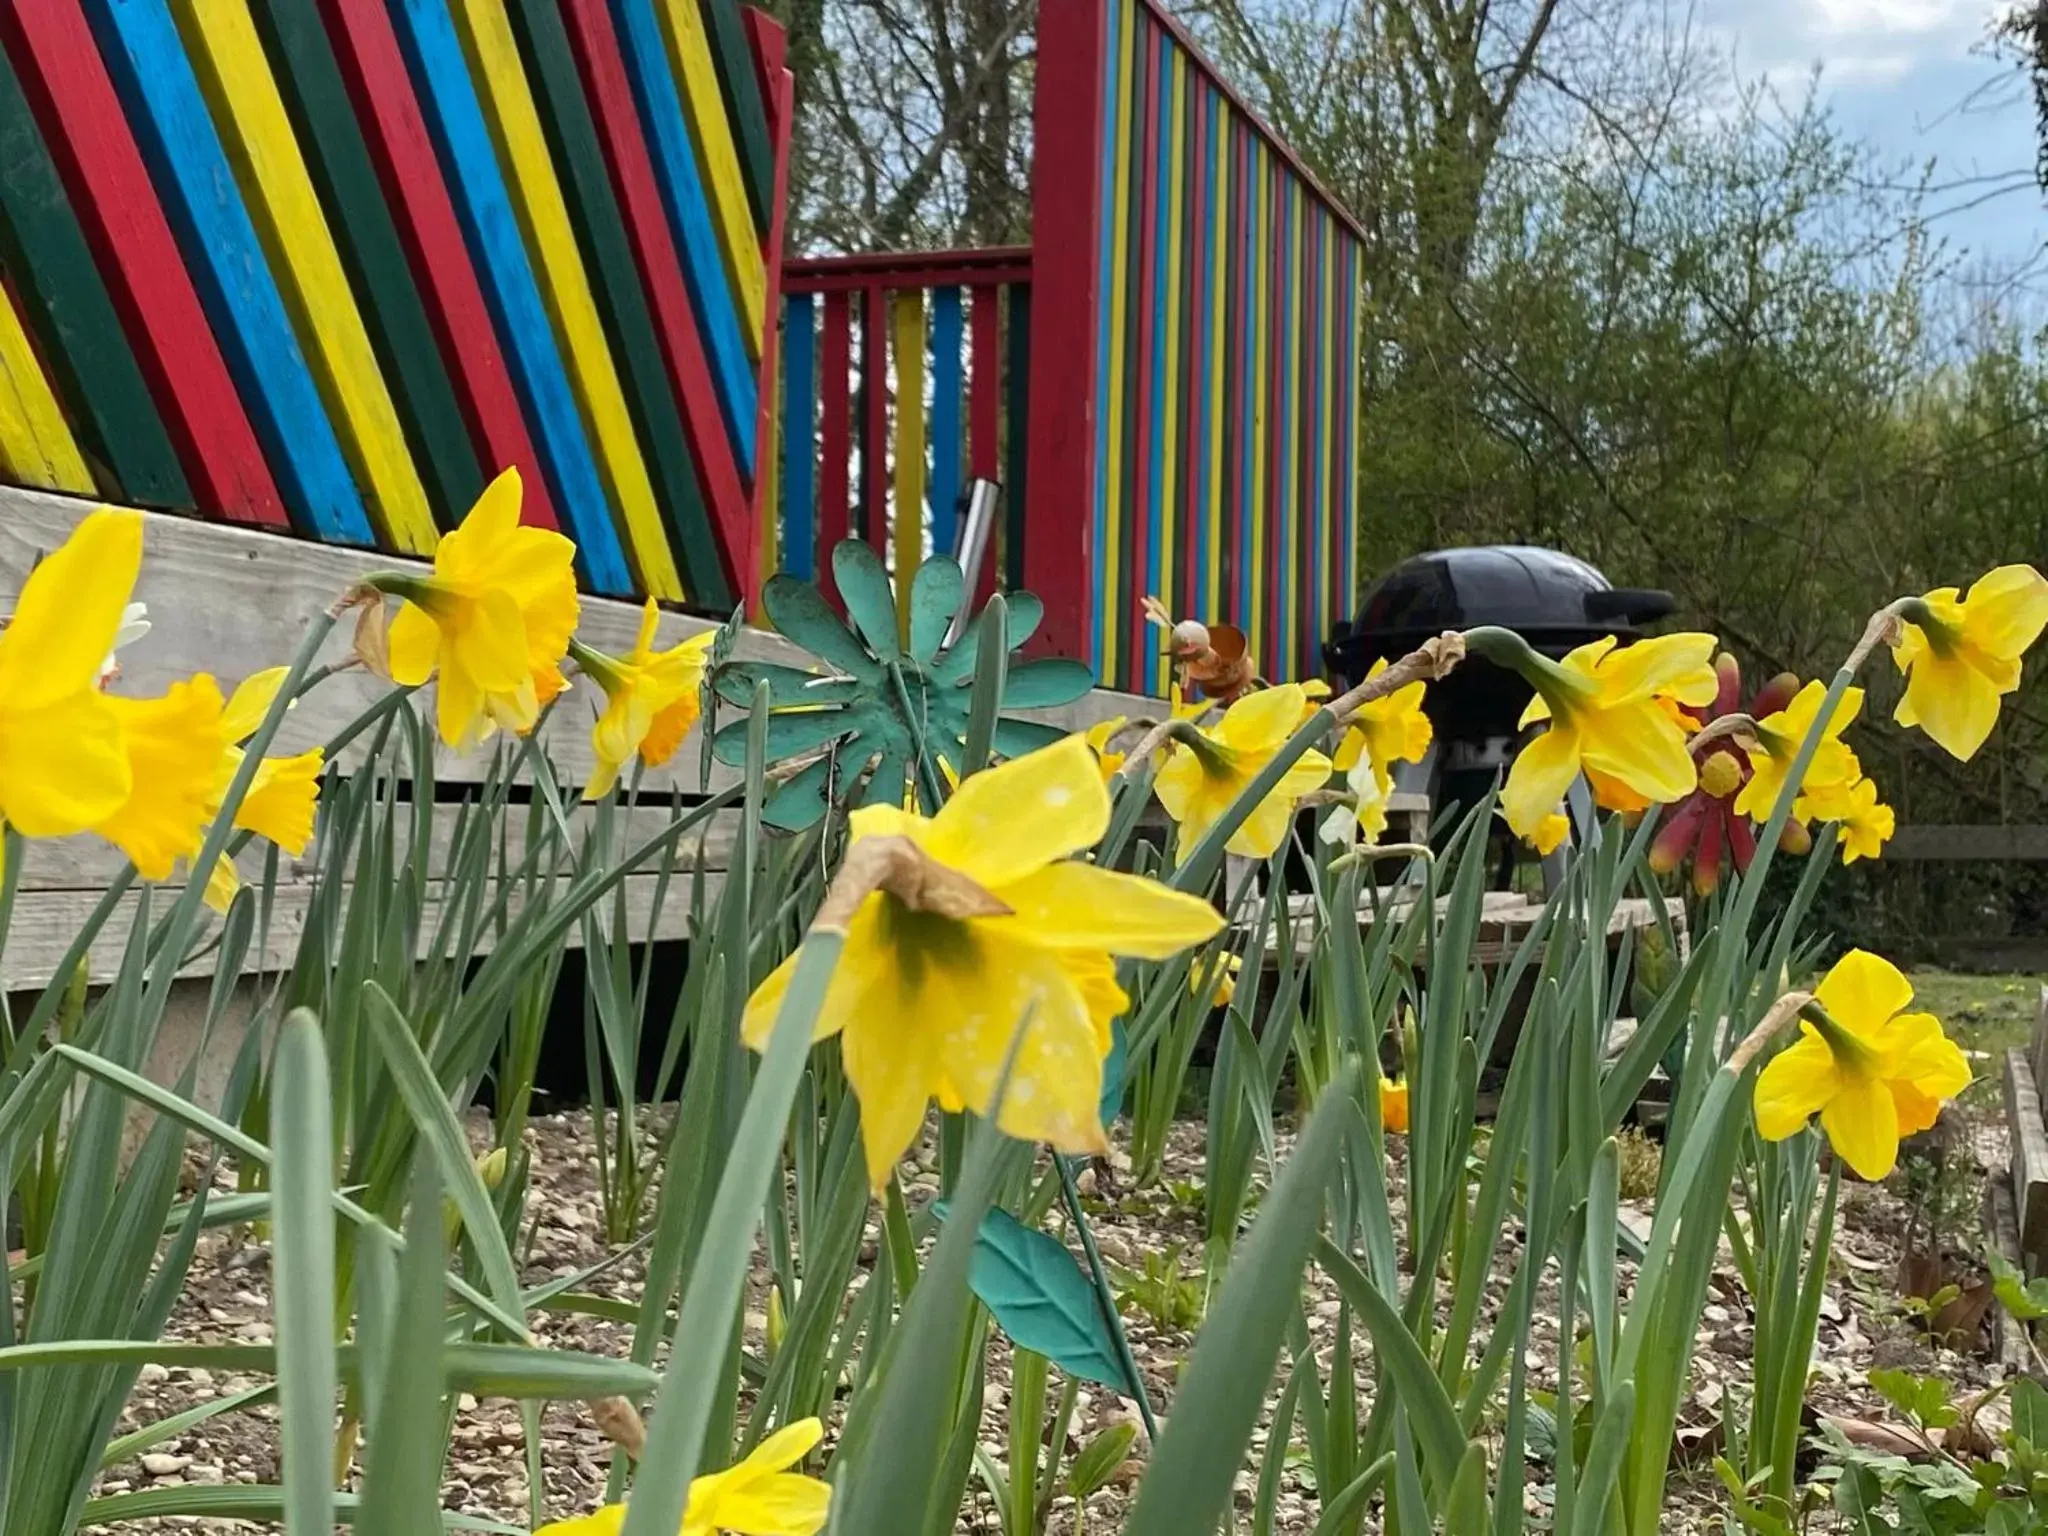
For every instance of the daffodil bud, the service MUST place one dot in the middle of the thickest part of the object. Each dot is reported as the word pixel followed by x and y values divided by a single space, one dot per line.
pixel 778 1324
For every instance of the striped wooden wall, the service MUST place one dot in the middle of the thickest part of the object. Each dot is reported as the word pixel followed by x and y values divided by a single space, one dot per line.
pixel 326 265
pixel 1195 411
pixel 903 377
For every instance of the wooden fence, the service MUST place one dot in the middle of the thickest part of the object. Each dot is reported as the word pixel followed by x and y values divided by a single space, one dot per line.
pixel 325 265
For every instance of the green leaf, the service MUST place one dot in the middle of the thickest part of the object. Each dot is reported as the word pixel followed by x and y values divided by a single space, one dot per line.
pixel 1047 683
pixel 244 1501
pixel 1188 1485
pixel 2025 1300
pixel 1114 1067
pixel 1468 1508
pixel 1035 1290
pixel 870 598
pixel 303 1268
pixel 1923 1399
pixel 934 599
pixel 402 1476
pixel 801 615
pixel 2030 1413
pixel 1428 1405
pixel 1859 1498
pixel 1096 1462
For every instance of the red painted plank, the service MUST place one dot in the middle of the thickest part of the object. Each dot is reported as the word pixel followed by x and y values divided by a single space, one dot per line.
pixel 117 207
pixel 874 426
pixel 835 431
pixel 907 269
pixel 768 46
pixel 367 50
pixel 1060 561
pixel 985 384
pixel 1145 303
pixel 1235 292
pixel 609 90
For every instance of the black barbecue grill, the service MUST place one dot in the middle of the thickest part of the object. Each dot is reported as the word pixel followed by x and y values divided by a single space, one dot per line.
pixel 1554 601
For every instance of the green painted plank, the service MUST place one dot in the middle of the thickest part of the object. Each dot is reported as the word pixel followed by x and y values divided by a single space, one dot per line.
pixel 90 363
pixel 324 120
pixel 629 323
pixel 741 84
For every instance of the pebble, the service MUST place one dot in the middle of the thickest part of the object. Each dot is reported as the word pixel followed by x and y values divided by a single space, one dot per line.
pixel 163 1464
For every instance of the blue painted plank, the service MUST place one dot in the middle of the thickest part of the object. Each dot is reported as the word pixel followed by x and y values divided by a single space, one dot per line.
pixel 689 212
pixel 469 163
pixel 943 429
pixel 146 60
pixel 1113 86
pixel 799 436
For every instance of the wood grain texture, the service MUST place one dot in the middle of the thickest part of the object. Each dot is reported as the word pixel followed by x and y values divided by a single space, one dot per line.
pixel 235 76
pixel 66 307
pixel 36 445
pixel 469 161
pixel 565 286
pixel 373 255
pixel 608 87
pixel 689 49
pixel 367 54
pixel 153 78
pixel 712 298
pixel 137 254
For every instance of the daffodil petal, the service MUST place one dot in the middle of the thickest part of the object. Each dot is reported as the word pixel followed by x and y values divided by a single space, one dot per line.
pixel 250 702
pixel 2006 610
pixel 1953 702
pixel 174 746
pixel 890 1042
pixel 1862 991
pixel 1638 745
pixel 1793 1086
pixel 1261 721
pixel 69 611
pixel 490 646
pixel 1077 906
pixel 604 1522
pixel 1005 822
pixel 1862 1124
pixel 413 645
pixel 1541 773
pixel 62 765
pixel 784 1504
pixel 281 801
pixel 1915 1049
pixel 1681 664
pixel 459 709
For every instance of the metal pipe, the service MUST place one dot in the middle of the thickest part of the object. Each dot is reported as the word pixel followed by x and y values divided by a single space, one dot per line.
pixel 976 526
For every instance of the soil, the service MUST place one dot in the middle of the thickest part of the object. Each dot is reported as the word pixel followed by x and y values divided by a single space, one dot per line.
pixel 1864 1325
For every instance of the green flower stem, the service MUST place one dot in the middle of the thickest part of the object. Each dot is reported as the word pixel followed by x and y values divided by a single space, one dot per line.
pixel 1105 1298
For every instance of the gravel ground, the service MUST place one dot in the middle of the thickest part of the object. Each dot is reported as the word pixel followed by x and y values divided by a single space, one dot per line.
pixel 1864 1325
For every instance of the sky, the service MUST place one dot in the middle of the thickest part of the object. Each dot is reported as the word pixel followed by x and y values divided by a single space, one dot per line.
pixel 1914 78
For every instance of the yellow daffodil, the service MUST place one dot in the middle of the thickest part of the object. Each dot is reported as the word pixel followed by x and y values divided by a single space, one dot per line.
pixel 282 796
pixel 1550 833
pixel 1366 815
pixel 1962 654
pixel 1394 1105
pixel 1386 731
pixel 1202 779
pixel 926 1005
pixel 1098 737
pixel 1872 1071
pixel 1778 740
pixel 1867 822
pixel 651 700
pixel 491 623
pixel 63 765
pixel 174 745
pixel 1609 712
pixel 758 1497
pixel 1222 981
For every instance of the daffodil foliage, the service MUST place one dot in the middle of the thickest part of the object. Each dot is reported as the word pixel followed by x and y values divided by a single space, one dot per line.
pixel 889 702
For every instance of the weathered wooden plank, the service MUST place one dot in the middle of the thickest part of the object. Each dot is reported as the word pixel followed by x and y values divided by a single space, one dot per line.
pixel 629 323
pixel 1995 844
pixel 146 60
pixel 138 256
pixel 332 140
pixel 235 76
pixel 91 367
pixel 2029 1158
pixel 2037 1048
pixel 515 122
pixel 448 101
pixel 36 445
pixel 44 924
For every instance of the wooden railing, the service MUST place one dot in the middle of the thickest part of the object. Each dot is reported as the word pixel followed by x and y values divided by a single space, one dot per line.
pixel 903 377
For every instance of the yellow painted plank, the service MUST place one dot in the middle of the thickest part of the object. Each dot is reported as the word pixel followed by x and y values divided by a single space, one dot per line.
pixel 1261 390
pixel 907 316
pixel 544 217
pixel 235 76
pixel 1177 253
pixel 1109 557
pixel 718 160
pixel 1220 277
pixel 36 445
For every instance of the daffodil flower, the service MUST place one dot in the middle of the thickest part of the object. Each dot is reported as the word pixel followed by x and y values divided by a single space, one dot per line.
pixel 1098 737
pixel 491 623
pixel 1608 712
pixel 1385 731
pixel 1706 824
pixel 1394 1105
pixel 63 764
pixel 1962 654
pixel 927 1005
pixel 174 745
pixel 1222 981
pixel 651 700
pixel 1204 777
pixel 282 796
pixel 1872 1071
pixel 758 1497
pixel 1866 822
pixel 1779 738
